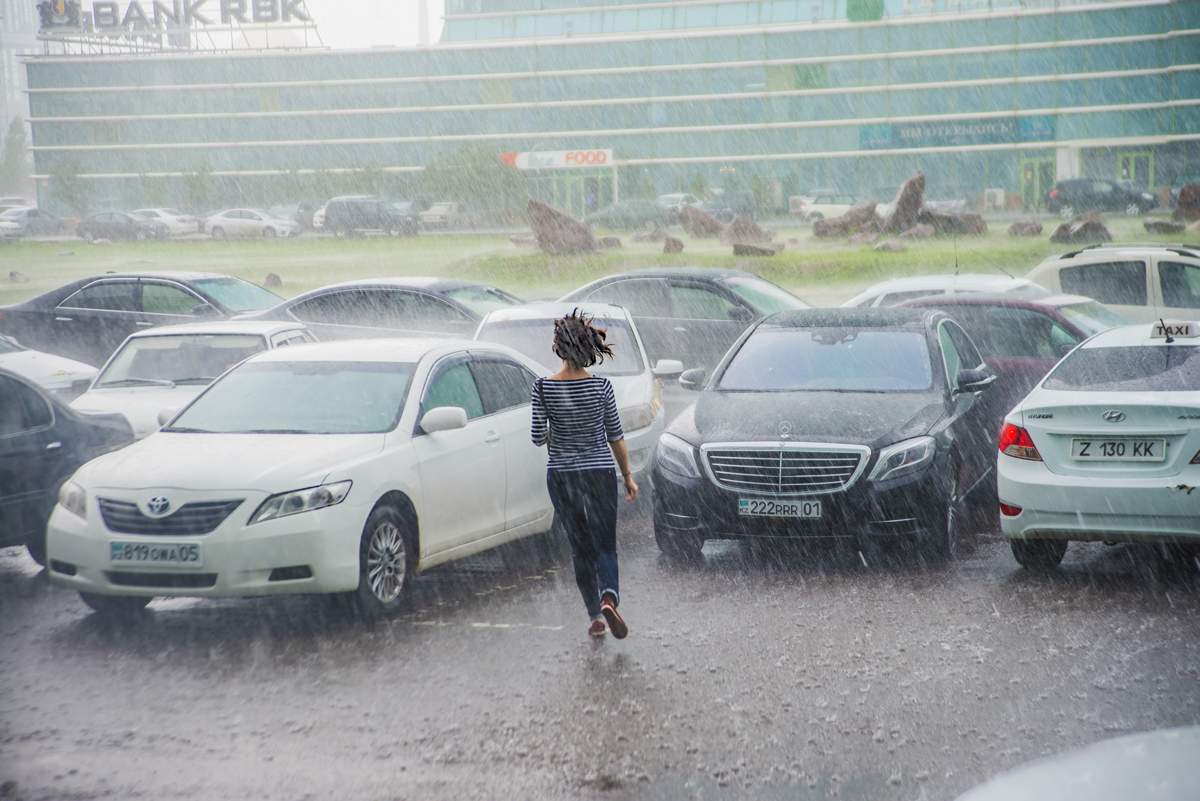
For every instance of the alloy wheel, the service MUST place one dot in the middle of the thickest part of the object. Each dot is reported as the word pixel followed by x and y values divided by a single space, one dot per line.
pixel 387 562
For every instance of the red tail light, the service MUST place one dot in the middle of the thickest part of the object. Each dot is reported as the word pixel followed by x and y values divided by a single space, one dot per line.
pixel 1008 510
pixel 1015 441
pixel 1054 194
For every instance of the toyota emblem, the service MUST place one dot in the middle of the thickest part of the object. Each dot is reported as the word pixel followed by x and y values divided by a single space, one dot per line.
pixel 158 505
pixel 1114 416
pixel 785 429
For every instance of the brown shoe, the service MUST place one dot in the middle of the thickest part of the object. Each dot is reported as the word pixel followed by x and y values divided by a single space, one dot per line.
pixel 597 628
pixel 616 623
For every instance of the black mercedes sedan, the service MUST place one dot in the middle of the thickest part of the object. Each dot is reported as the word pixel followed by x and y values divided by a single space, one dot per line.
pixel 42 442
pixel 89 318
pixel 388 307
pixel 119 225
pixel 855 425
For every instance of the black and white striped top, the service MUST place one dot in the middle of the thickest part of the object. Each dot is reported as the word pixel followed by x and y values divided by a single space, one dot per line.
pixel 579 419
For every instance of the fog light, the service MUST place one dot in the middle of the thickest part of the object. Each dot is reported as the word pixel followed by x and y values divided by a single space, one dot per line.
pixel 1008 510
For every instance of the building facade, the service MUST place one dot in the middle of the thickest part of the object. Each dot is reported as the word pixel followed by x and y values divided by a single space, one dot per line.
pixel 18 37
pixel 778 96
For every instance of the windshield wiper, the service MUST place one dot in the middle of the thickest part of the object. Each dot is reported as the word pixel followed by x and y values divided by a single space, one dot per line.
pixel 186 430
pixel 275 431
pixel 207 379
pixel 154 382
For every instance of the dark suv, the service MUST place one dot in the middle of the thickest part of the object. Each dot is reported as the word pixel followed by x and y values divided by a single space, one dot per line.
pixel 350 215
pixel 1098 194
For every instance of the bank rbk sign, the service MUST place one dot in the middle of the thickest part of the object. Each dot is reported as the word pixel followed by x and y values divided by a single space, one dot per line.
pixel 558 159
pixel 168 14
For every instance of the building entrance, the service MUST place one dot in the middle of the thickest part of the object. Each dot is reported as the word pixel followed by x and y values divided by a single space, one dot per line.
pixel 1037 177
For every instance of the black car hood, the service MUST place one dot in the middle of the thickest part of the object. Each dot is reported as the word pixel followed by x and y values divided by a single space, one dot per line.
pixel 874 419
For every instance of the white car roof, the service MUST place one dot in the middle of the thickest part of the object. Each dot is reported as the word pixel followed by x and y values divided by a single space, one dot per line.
pixel 548 310
pixel 253 327
pixel 408 282
pixel 398 351
pixel 971 282
pixel 1140 335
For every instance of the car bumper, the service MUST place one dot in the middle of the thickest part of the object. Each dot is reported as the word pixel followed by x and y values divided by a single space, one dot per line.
pixel 1054 506
pixel 910 506
pixel 236 559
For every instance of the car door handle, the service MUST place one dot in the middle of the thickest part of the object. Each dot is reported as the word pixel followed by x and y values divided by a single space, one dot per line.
pixel 144 323
pixel 492 436
pixel 64 319
pixel 53 446
pixel 679 329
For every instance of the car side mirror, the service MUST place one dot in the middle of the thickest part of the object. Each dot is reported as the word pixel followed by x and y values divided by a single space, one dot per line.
pixel 166 416
pixel 741 314
pixel 693 380
pixel 975 379
pixel 668 368
pixel 444 418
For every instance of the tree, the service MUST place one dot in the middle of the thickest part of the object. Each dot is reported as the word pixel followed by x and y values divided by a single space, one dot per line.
pixel 198 190
pixel 14 164
pixel 474 176
pixel 69 189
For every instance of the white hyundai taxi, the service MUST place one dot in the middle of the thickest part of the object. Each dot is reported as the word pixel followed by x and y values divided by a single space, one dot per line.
pixel 1107 447
pixel 529 328
pixel 340 467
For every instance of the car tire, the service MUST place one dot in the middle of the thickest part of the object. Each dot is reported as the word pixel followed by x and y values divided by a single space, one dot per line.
pixel 140 236
pixel 268 233
pixel 116 607
pixel 218 233
pixel 945 535
pixel 1066 212
pixel 36 547
pixel 685 548
pixel 1038 555
pixel 387 558
pixel 1133 210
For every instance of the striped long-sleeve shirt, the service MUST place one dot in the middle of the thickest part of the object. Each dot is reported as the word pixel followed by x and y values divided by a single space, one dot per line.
pixel 579 420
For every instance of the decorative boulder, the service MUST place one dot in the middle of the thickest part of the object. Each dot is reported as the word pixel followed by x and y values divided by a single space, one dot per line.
pixel 1081 230
pixel 1025 228
pixel 558 233
pixel 1164 226
pixel 743 230
pixel 907 205
pixel 1188 207
pixel 672 245
pixel 918 231
pixel 858 219
pixel 890 246
pixel 523 240
pixel 18 277
pixel 656 234
pixel 750 249
pixel 608 242
pixel 698 223
pixel 273 281
pixel 949 223
pixel 864 238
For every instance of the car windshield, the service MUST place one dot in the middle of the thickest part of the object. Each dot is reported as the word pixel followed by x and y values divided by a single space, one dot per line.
pixel 237 295
pixel 178 358
pixel 482 299
pixel 533 338
pixel 764 296
pixel 301 398
pixel 1157 368
pixel 1091 317
pixel 830 359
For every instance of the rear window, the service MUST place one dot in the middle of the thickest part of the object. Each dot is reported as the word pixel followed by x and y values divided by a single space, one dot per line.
pixel 830 359
pixel 1159 368
pixel 1121 283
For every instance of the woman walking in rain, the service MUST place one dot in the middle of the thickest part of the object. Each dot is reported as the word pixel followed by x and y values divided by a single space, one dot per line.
pixel 576 413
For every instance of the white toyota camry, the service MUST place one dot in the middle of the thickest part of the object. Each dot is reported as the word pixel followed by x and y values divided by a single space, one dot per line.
pixel 1107 447
pixel 340 467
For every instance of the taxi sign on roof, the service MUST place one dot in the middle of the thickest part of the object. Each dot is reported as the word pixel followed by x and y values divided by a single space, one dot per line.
pixel 1165 329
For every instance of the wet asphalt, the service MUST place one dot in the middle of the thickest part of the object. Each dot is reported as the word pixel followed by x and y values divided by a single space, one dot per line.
pixel 756 675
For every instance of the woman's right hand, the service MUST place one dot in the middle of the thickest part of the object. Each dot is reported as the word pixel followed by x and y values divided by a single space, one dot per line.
pixel 631 488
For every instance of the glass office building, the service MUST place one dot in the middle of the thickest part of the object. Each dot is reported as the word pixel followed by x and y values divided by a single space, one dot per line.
pixel 775 95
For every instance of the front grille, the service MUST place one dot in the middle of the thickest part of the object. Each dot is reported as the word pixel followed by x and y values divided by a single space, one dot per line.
pixel 791 470
pixel 190 519
pixel 193 581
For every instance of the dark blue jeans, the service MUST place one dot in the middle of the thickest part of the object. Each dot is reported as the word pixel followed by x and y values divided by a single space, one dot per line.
pixel 585 509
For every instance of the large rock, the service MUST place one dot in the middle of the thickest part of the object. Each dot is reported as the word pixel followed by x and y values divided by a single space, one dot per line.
pixel 906 206
pixel 698 223
pixel 859 219
pixel 1188 207
pixel 655 234
pixel 918 231
pixel 273 281
pixel 750 249
pixel 1081 230
pixel 1164 226
pixel 743 230
pixel 672 245
pixel 891 246
pixel 949 223
pixel 556 232
pixel 609 242
pixel 864 238
pixel 1025 228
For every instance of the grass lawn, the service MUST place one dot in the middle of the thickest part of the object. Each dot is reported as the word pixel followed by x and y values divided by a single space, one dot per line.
pixel 818 270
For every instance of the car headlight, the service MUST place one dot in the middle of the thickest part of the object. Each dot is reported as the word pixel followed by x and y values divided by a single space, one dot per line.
pixel 903 458
pixel 73 498
pixel 301 500
pixel 642 415
pixel 677 456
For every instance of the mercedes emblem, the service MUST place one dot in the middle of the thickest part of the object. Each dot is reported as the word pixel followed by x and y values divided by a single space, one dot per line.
pixel 785 429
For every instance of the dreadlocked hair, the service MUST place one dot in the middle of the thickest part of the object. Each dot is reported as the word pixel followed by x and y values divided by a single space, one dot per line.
pixel 578 342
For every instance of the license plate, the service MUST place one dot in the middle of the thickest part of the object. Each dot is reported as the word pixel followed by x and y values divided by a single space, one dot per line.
pixel 1119 450
pixel 155 553
pixel 761 507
